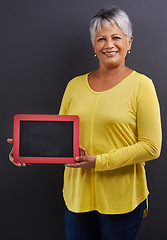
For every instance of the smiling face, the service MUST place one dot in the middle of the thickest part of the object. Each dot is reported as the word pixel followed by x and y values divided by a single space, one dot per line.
pixel 111 46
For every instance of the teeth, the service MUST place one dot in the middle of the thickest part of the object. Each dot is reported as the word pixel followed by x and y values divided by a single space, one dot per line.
pixel 112 53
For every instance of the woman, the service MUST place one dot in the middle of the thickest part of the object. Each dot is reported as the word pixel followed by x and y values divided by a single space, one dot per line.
pixel 106 192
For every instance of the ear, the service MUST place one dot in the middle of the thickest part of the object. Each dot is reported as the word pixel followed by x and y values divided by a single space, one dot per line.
pixel 94 49
pixel 130 43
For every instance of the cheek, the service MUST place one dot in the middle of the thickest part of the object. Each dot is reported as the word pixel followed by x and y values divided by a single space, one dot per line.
pixel 123 47
pixel 98 47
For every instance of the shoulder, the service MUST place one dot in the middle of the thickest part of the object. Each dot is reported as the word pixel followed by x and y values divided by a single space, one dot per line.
pixel 77 80
pixel 145 88
pixel 141 78
pixel 139 82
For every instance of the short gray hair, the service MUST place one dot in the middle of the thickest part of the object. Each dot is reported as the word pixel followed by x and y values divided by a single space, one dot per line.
pixel 113 15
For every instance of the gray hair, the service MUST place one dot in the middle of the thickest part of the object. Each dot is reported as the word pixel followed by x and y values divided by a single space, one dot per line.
pixel 113 15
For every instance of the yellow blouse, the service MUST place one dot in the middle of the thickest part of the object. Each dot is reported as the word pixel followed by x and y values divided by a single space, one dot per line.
pixel 122 127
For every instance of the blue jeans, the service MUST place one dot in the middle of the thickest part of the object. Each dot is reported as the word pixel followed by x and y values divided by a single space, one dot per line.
pixel 95 226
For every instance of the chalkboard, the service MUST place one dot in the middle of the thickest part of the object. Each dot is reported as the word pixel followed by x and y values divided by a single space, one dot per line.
pixel 46 138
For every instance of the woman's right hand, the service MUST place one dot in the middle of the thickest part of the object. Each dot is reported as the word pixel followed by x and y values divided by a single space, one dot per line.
pixel 9 140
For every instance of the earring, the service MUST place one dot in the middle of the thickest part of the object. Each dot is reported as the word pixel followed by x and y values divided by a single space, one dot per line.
pixel 129 51
pixel 95 55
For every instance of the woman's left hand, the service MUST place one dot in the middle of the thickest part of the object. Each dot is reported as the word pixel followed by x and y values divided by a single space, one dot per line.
pixel 84 160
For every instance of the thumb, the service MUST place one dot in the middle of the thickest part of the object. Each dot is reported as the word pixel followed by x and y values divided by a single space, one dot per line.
pixel 9 140
pixel 81 158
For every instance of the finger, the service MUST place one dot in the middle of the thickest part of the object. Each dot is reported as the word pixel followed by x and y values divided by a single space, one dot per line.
pixel 10 140
pixel 12 159
pixel 82 151
pixel 20 164
pixel 11 156
pixel 81 159
pixel 76 165
pixel 17 164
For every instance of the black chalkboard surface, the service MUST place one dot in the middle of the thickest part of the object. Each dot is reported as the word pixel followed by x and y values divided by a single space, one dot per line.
pixel 46 138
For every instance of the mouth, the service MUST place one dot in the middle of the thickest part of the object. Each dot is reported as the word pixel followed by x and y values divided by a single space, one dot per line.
pixel 113 53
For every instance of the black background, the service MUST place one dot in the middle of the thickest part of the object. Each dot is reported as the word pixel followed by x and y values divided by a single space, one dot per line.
pixel 45 43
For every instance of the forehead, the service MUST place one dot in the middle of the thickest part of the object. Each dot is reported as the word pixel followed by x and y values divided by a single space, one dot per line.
pixel 109 29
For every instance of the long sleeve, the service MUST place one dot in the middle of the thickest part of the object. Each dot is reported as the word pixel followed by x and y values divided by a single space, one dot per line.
pixel 149 137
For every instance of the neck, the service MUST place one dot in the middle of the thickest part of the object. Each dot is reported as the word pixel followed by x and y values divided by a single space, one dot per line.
pixel 112 70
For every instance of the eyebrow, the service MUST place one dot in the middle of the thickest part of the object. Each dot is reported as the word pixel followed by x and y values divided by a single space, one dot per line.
pixel 100 35
pixel 115 34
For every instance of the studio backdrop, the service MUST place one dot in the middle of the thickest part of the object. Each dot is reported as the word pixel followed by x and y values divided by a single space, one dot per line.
pixel 44 44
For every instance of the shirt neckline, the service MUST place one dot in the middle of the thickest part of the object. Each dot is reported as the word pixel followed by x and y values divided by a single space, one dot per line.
pixel 110 88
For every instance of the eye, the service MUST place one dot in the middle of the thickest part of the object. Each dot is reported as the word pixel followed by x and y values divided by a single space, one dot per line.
pixel 116 38
pixel 100 39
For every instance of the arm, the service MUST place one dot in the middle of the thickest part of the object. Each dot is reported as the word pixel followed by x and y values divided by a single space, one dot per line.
pixel 149 135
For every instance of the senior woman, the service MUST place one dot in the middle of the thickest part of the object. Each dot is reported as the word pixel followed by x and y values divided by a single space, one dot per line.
pixel 106 192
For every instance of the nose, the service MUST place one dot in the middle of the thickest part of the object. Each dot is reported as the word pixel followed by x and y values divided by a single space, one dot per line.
pixel 109 44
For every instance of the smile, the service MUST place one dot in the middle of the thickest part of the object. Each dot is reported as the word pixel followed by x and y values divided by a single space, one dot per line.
pixel 110 53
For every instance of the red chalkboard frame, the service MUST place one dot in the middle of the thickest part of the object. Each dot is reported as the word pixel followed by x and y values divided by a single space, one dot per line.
pixel 38 117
